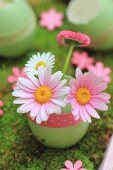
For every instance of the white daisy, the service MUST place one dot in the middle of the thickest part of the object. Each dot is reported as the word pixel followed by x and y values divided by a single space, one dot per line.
pixel 37 60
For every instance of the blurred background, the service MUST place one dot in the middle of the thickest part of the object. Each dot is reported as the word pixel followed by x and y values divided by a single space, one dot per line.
pixel 31 26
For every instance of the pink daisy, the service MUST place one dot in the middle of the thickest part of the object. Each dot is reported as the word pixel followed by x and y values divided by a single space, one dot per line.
pixel 81 59
pixel 1 105
pixel 86 95
pixel 100 70
pixel 75 38
pixel 51 19
pixel 14 77
pixel 77 165
pixel 41 96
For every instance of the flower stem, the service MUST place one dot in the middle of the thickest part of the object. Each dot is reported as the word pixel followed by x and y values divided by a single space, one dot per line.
pixel 68 59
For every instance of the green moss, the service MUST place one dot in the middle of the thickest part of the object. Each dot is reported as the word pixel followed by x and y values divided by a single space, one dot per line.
pixel 18 148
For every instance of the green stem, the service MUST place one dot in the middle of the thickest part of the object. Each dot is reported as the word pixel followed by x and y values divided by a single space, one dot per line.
pixel 68 59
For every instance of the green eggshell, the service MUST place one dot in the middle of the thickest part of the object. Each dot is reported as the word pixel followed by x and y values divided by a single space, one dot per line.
pixel 17 28
pixel 58 137
pixel 100 29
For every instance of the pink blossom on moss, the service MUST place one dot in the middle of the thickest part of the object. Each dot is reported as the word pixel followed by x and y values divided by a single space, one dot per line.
pixel 77 165
pixel 99 70
pixel 51 19
pixel 67 37
pixel 1 105
pixel 16 73
pixel 82 59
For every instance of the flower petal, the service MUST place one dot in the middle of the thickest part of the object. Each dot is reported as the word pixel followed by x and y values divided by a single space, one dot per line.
pixel 68 164
pixel 99 105
pixel 78 164
pixel 92 111
pixel 35 111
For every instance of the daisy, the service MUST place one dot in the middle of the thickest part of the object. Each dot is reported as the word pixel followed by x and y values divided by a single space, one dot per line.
pixel 41 96
pixel 67 37
pixel 45 59
pixel 77 165
pixel 86 95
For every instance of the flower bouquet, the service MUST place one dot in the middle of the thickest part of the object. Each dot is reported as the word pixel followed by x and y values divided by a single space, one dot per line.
pixel 59 107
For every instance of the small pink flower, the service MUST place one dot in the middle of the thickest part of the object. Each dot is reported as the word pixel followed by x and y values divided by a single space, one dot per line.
pixel 14 77
pixel 81 60
pixel 51 19
pixel 77 165
pixel 75 38
pixel 1 105
pixel 86 95
pixel 100 70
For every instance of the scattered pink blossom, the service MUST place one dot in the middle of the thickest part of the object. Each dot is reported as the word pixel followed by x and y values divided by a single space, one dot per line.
pixel 51 19
pixel 77 165
pixel 1 105
pixel 86 95
pixel 82 59
pixel 75 38
pixel 16 73
pixel 41 96
pixel 100 70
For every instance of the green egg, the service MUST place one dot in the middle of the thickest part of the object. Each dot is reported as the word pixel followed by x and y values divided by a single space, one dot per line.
pixel 94 18
pixel 17 27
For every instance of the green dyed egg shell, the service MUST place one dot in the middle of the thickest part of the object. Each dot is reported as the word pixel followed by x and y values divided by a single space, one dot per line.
pixel 17 27
pixel 94 18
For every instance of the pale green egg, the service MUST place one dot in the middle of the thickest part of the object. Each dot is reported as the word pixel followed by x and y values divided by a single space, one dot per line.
pixel 17 27
pixel 94 18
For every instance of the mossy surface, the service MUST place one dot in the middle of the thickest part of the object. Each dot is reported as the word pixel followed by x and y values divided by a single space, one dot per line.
pixel 18 148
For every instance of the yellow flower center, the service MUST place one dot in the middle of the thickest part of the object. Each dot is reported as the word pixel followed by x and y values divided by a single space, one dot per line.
pixel 43 94
pixel 40 63
pixel 83 95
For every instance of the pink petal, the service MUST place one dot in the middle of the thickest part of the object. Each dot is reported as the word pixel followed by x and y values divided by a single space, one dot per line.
pixel 78 164
pixel 34 80
pixel 24 108
pixel 68 164
pixel 43 114
pixel 99 105
pixel 1 112
pixel 86 115
pixel 55 79
pixel 41 72
pixel 78 72
pixel 1 103
pixel 11 79
pixel 23 87
pixel 103 95
pixel 82 114
pixel 99 88
pixel 27 83
pixel 59 102
pixel 35 111
pixel 23 100
pixel 22 94
pixel 49 107
pixel 76 109
pixel 92 111
pixel 16 71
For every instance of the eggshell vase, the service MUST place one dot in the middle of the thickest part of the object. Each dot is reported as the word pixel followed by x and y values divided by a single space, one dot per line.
pixel 17 27
pixel 100 27
pixel 59 131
